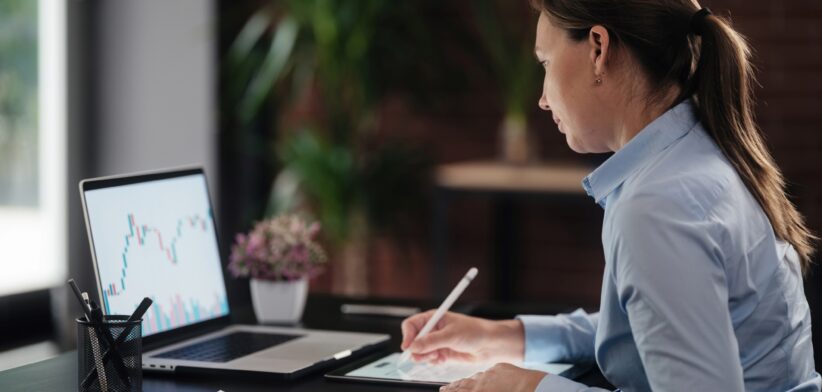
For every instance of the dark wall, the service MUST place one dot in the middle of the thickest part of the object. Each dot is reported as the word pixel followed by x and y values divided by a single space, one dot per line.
pixel 245 177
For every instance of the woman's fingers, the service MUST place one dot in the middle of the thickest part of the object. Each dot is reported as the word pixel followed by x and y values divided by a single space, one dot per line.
pixel 425 357
pixel 466 384
pixel 412 326
pixel 440 339
pixel 443 355
pixel 448 355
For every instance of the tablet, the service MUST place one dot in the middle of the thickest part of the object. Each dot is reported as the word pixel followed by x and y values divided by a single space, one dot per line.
pixel 383 368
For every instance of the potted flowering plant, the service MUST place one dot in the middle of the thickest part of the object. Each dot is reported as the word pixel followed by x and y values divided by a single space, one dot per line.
pixel 280 255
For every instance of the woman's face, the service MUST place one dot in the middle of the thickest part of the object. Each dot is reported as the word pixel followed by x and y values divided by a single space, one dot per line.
pixel 570 91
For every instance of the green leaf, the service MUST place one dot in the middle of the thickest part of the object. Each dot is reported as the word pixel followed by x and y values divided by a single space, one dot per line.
pixel 279 52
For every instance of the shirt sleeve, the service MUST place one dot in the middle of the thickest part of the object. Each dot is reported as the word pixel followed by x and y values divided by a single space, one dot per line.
pixel 670 279
pixel 560 338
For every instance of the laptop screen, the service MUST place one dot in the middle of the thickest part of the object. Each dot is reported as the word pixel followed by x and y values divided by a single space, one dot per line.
pixel 157 239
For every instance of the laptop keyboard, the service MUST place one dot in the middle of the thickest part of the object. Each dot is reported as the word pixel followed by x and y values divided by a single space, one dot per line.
pixel 227 347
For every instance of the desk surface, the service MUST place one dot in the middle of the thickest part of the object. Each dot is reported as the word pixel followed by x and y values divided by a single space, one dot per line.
pixel 60 373
pixel 505 177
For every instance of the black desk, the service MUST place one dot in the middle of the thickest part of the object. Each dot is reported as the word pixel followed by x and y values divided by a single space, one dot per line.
pixel 322 312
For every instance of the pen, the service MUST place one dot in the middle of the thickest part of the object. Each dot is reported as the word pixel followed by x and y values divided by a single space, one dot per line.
pixel 105 335
pixel 449 300
pixel 85 300
pixel 95 344
pixel 94 316
pixel 137 315
pixel 80 299
pixel 98 361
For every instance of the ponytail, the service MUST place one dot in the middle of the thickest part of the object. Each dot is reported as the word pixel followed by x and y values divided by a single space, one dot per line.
pixel 723 84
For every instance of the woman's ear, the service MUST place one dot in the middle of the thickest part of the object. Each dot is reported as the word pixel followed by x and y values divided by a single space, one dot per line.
pixel 599 41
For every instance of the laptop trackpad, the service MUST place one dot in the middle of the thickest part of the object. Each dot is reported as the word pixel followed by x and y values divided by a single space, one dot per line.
pixel 306 349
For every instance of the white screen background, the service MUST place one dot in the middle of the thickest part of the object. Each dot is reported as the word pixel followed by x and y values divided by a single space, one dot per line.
pixel 170 249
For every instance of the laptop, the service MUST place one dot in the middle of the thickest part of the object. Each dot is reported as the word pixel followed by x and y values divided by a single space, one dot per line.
pixel 154 235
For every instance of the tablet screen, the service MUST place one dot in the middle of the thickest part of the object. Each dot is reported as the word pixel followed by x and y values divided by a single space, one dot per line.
pixel 386 369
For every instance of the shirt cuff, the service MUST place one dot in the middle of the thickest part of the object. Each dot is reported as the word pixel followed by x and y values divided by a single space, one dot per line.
pixel 555 383
pixel 567 337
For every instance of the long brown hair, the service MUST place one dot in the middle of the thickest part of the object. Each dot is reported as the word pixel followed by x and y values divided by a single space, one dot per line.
pixel 711 64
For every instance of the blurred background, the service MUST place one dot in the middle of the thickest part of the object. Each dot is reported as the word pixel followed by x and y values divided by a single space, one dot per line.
pixel 408 129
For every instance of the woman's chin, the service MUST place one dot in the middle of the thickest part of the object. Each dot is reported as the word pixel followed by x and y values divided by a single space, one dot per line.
pixel 575 145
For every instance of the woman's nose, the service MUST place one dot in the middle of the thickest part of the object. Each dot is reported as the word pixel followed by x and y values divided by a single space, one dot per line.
pixel 543 103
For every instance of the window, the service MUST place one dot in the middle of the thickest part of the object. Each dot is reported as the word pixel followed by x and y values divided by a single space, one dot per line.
pixel 32 145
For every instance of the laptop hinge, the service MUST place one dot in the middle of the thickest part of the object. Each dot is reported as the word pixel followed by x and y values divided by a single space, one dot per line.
pixel 191 331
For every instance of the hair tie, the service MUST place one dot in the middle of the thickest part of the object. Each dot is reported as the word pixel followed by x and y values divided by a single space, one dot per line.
pixel 698 20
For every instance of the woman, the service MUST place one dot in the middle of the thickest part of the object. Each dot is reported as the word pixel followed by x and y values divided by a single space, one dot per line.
pixel 704 253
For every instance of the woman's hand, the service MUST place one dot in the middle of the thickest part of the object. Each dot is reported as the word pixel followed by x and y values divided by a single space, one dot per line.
pixel 501 377
pixel 463 338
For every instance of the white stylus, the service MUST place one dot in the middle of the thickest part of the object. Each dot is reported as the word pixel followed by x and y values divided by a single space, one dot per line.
pixel 449 300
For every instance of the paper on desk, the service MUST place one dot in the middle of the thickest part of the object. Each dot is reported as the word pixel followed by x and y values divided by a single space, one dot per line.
pixel 386 368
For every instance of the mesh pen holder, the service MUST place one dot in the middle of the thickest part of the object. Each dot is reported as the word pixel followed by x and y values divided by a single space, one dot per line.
pixel 109 356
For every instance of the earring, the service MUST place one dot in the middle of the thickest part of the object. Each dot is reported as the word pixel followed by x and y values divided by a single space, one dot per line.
pixel 598 80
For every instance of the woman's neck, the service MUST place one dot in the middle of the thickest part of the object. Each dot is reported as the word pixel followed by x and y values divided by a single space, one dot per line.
pixel 638 113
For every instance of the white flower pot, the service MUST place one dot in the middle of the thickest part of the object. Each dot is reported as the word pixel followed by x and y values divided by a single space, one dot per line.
pixel 278 301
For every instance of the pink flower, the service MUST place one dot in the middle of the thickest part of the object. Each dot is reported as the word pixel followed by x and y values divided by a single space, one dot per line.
pixel 280 248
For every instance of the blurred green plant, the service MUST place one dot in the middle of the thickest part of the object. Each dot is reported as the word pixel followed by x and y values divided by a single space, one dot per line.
pixel 346 55
pixel 510 61
pixel 343 57
pixel 510 52
pixel 386 185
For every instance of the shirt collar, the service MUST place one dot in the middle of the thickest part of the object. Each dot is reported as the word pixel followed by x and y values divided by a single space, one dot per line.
pixel 649 142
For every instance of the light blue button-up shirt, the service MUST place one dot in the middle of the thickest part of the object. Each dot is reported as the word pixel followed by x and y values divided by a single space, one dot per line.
pixel 698 294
